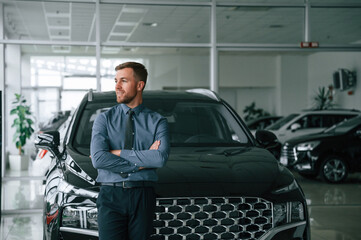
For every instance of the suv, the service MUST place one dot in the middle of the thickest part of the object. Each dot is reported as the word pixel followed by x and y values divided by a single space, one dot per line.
pixel 219 182
pixel 307 122
pixel 331 154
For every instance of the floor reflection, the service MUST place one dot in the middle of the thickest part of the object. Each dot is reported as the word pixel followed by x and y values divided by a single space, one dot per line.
pixel 335 209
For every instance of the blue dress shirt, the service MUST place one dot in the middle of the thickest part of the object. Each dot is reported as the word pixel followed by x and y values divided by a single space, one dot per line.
pixel 109 133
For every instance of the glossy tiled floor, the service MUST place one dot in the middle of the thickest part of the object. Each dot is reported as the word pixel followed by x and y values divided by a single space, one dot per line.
pixel 335 210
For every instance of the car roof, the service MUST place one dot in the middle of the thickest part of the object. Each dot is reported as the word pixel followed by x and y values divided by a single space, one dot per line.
pixel 339 111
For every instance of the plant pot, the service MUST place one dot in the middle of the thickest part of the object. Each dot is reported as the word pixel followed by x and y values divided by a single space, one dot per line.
pixel 19 162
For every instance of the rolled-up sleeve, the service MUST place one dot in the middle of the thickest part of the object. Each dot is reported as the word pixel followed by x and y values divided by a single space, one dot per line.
pixel 99 149
pixel 151 158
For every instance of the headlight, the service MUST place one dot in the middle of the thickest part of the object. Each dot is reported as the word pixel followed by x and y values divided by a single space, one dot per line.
pixel 307 146
pixel 288 212
pixel 80 217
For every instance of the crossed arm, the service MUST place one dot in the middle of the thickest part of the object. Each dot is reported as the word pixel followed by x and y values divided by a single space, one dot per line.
pixel 128 160
pixel 155 146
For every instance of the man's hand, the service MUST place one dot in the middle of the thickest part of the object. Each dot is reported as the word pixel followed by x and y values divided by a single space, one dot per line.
pixel 115 152
pixel 155 145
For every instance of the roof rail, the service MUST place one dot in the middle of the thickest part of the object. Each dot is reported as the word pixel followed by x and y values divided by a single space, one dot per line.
pixel 90 95
pixel 205 92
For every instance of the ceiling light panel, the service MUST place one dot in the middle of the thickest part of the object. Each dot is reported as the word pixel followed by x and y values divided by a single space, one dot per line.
pixel 179 24
pixel 336 25
pixel 252 25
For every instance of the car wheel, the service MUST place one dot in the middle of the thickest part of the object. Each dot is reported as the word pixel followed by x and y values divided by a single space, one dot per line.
pixel 334 169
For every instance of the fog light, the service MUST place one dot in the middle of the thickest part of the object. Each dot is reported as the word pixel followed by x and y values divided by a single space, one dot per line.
pixel 297 212
pixel 71 217
pixel 280 214
pixel 92 217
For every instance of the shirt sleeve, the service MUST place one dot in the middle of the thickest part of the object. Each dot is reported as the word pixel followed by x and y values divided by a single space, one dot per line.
pixel 99 150
pixel 151 158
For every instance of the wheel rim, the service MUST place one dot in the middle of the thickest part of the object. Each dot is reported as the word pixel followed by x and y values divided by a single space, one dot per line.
pixel 334 170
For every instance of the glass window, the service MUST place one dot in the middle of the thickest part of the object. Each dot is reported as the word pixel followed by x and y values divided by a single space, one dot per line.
pixel 168 68
pixel 146 23
pixel 190 123
pixel 259 25
pixel 278 124
pixel 71 99
pixel 335 25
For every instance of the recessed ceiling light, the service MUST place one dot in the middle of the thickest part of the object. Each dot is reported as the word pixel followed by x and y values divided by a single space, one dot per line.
pixel 149 24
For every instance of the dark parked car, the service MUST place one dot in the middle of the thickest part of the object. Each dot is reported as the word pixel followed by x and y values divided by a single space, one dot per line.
pixel 331 154
pixel 219 182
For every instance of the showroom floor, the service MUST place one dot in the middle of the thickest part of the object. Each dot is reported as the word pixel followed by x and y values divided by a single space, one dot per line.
pixel 335 210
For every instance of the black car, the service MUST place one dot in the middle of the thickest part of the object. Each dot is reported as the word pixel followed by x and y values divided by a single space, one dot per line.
pixel 219 182
pixel 331 154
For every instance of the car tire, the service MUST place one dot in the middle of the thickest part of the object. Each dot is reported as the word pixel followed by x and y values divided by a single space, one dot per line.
pixel 334 169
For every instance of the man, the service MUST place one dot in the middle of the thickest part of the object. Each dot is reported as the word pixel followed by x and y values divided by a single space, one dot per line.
pixel 129 142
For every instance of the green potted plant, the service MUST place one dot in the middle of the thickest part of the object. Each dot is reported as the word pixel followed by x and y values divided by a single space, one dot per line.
pixel 23 124
pixel 251 112
pixel 323 99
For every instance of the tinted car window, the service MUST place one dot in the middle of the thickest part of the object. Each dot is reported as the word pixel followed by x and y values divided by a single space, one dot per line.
pixel 190 123
pixel 277 125
pixel 345 126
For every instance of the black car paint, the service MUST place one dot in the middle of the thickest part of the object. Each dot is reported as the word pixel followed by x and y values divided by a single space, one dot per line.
pixel 190 171
pixel 346 145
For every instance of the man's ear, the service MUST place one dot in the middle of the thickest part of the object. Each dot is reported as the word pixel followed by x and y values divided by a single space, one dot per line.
pixel 140 86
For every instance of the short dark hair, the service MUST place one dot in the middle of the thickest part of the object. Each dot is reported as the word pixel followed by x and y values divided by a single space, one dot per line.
pixel 139 70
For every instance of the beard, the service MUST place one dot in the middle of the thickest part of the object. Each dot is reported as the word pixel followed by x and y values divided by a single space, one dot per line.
pixel 125 98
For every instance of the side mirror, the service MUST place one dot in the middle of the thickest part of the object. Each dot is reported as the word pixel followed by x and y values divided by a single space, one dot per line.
pixel 295 127
pixel 269 141
pixel 49 141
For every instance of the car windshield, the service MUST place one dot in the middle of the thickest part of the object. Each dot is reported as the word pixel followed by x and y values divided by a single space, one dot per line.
pixel 277 125
pixel 344 126
pixel 191 123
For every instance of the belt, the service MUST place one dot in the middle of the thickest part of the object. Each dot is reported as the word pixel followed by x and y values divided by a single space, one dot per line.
pixel 130 184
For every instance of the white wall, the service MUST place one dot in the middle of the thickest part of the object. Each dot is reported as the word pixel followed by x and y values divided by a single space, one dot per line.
pixel 321 66
pixel 177 71
pixel 276 82
pixel 13 85
pixel 293 84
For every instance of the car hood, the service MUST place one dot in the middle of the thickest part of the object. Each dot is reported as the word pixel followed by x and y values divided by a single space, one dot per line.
pixel 312 137
pixel 242 171
pixel 199 172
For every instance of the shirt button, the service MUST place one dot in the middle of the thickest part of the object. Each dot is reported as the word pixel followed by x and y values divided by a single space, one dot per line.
pixel 133 133
pixel 132 148
pixel 129 174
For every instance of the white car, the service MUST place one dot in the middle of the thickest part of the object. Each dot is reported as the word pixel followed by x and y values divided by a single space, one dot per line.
pixel 308 122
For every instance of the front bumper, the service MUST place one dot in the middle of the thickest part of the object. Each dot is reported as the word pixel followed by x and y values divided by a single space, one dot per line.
pixel 290 231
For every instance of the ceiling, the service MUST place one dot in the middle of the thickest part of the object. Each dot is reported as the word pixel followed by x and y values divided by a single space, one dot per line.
pixel 139 24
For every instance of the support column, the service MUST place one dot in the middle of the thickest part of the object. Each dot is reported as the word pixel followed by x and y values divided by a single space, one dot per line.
pixel 2 89
pixel 214 53
pixel 97 47
pixel 307 21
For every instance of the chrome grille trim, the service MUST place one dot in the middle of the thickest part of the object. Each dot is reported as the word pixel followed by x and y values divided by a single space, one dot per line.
pixel 289 153
pixel 212 218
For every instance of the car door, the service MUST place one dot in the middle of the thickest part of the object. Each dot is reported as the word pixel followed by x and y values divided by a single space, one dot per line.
pixel 354 148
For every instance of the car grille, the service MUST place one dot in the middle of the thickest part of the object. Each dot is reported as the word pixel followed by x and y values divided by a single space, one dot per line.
pixel 289 153
pixel 212 218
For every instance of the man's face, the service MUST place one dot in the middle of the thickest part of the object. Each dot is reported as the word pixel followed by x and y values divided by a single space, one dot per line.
pixel 126 85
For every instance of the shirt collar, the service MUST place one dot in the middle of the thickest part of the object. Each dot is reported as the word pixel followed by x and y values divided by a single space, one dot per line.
pixel 136 110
